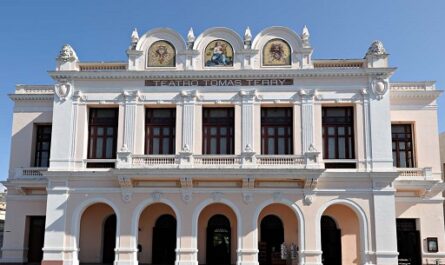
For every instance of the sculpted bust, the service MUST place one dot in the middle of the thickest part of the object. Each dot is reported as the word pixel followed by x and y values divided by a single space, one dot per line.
pixel 66 54
pixel 376 48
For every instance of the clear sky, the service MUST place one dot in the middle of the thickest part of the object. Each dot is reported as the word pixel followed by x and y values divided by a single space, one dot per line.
pixel 32 33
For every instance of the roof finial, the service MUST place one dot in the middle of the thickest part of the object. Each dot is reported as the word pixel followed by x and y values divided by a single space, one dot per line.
pixel 190 38
pixel 305 36
pixel 134 39
pixel 376 48
pixel 247 38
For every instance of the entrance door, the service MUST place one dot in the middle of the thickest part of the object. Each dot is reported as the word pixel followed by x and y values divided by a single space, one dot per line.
pixel 330 241
pixel 109 240
pixel 408 242
pixel 164 240
pixel 218 240
pixel 272 236
pixel 35 238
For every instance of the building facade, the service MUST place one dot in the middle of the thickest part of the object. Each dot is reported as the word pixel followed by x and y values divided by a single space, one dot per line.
pixel 222 149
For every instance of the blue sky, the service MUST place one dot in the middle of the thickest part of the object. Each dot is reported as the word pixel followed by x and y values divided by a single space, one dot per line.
pixel 32 33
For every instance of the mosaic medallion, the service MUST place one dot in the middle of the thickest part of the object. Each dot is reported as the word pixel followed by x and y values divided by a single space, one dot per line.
pixel 161 54
pixel 276 52
pixel 218 53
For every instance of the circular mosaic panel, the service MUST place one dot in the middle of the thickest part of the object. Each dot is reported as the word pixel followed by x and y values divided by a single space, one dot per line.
pixel 276 52
pixel 161 54
pixel 218 53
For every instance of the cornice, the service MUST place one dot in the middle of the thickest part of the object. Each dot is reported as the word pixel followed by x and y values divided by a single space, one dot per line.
pixel 239 73
pixel 33 97
pixel 432 94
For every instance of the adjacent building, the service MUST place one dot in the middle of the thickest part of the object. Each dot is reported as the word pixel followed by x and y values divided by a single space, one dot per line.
pixel 222 149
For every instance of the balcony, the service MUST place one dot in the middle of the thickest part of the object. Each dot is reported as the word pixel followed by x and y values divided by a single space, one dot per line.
pixel 415 173
pixel 309 160
pixel 29 172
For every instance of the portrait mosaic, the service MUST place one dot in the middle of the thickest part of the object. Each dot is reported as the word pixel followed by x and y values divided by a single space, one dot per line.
pixel 276 52
pixel 161 54
pixel 218 53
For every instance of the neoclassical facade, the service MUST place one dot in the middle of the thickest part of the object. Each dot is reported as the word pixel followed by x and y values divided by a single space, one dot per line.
pixel 222 149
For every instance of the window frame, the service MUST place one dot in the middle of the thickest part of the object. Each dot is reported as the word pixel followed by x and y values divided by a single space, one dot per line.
pixel 37 159
pixel 209 122
pixel 396 162
pixel 267 123
pixel 149 135
pixel 350 152
pixel 95 125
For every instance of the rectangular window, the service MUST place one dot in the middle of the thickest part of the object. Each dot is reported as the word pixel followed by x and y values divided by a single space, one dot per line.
pixel 217 127
pixel 102 131
pixel 43 145
pixel 276 131
pixel 402 145
pixel 160 131
pixel 338 135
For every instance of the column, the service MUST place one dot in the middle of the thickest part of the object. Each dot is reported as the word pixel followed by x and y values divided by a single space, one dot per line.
pixel 384 214
pixel 55 225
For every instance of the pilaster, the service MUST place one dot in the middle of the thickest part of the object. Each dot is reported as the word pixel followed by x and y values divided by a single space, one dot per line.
pixel 307 119
pixel 248 101
pixel 55 224
pixel 131 98
pixel 189 101
pixel 384 214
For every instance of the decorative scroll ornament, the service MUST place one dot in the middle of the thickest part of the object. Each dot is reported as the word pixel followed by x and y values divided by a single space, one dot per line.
pixel 156 196
pixel 308 198
pixel 62 90
pixel 305 36
pixel 134 39
pixel 67 54
pixel 376 48
pixel 217 196
pixel 79 96
pixel 379 87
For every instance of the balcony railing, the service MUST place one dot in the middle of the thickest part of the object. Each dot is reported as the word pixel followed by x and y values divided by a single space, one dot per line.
pixel 29 172
pixel 245 160
pixel 424 173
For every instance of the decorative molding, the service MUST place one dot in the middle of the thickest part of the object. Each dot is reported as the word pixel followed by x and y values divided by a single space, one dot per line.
pixel 379 87
pixel 78 96
pixel 186 188
pixel 217 196
pixel 156 196
pixel 277 197
pixel 63 89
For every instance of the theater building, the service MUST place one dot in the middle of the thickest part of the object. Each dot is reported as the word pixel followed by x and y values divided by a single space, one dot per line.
pixel 225 149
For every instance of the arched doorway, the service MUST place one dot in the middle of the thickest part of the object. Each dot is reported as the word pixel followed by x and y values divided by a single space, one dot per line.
pixel 97 237
pixel 218 240
pixel 272 236
pixel 109 239
pixel 330 241
pixel 217 226
pixel 156 240
pixel 164 240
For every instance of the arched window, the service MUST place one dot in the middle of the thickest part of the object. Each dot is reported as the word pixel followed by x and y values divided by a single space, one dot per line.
pixel 161 54
pixel 276 52
pixel 218 53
